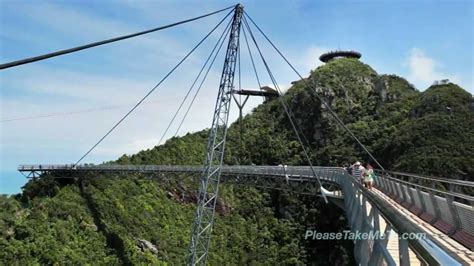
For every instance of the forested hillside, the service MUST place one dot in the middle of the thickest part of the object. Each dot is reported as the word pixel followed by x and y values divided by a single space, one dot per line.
pixel 131 219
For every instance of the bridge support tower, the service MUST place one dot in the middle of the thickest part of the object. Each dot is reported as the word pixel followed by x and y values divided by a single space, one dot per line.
pixel 209 182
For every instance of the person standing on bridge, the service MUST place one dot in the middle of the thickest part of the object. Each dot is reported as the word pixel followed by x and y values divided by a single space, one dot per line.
pixel 369 176
pixel 358 171
pixel 348 168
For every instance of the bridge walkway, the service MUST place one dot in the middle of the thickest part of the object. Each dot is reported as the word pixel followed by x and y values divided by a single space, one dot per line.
pixel 453 248
pixel 393 243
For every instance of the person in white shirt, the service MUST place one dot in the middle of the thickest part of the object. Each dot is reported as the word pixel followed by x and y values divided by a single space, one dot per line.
pixel 358 171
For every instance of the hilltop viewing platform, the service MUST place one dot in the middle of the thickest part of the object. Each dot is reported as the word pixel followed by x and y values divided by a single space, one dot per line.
pixel 326 57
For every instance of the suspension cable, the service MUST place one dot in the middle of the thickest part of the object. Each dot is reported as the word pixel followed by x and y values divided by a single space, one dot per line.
pixel 239 70
pixel 275 84
pixel 241 128
pixel 285 107
pixel 282 161
pixel 317 95
pixel 289 110
pixel 194 83
pixel 76 112
pixel 200 85
pixel 154 88
pixel 91 45
pixel 251 59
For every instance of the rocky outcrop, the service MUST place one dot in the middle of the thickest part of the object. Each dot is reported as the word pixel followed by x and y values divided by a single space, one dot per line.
pixel 145 245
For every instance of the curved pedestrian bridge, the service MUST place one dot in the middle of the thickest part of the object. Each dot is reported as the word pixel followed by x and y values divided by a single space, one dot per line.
pixel 405 220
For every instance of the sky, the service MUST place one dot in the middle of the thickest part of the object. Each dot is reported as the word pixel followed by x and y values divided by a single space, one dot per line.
pixel 53 111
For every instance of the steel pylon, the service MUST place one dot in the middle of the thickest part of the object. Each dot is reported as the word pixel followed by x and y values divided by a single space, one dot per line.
pixel 209 182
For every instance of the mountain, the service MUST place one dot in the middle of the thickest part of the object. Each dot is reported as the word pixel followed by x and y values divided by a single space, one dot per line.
pixel 135 220
pixel 438 137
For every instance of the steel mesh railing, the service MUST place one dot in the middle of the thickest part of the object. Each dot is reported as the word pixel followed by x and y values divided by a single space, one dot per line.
pixel 449 210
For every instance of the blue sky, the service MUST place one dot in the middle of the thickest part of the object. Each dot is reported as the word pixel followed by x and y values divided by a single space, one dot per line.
pixel 420 40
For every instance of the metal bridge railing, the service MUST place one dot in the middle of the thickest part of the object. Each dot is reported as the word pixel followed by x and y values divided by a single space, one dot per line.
pixel 366 250
pixel 448 210
pixel 441 182
pixel 368 214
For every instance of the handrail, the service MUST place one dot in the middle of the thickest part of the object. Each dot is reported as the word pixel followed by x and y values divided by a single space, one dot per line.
pixel 454 194
pixel 403 225
pixel 430 178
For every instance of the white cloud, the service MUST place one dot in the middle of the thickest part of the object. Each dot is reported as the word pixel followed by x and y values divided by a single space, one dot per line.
pixel 69 27
pixel 61 139
pixel 77 85
pixel 424 70
pixel 304 62
pixel 311 57
pixel 283 87
pixel 130 147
